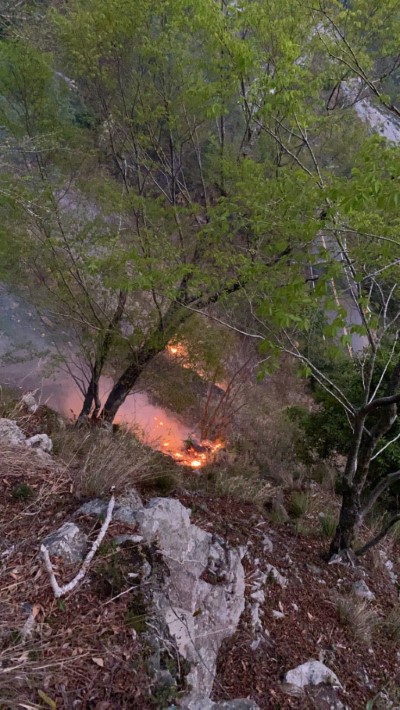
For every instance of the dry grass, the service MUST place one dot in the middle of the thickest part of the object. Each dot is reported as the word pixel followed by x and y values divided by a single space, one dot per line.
pixel 391 624
pixel 243 484
pixel 298 504
pixel 99 459
pixel 16 461
pixel 358 616
pixel 328 523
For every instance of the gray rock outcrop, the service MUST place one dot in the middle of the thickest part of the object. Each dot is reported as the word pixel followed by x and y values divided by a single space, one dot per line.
pixel 125 510
pixel 11 433
pixel 68 542
pixel 202 596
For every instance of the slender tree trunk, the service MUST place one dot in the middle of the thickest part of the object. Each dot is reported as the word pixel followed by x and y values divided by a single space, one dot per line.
pixel 364 444
pixel 92 393
pixel 124 385
pixel 349 522
pixel 156 342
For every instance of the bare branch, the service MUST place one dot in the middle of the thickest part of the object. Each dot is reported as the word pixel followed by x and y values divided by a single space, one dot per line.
pixel 62 591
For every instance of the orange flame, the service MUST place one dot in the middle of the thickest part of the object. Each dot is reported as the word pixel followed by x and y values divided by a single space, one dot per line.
pixel 192 457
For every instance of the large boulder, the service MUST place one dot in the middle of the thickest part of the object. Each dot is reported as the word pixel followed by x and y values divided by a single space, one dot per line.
pixel 68 542
pixel 202 596
pixel 312 673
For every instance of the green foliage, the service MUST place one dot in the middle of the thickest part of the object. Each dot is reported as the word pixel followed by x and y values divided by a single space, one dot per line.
pixel 179 152
pixel 326 429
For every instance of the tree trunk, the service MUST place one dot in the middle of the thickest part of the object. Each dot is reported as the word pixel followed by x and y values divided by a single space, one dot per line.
pixel 92 395
pixel 103 348
pixel 127 381
pixel 156 342
pixel 349 521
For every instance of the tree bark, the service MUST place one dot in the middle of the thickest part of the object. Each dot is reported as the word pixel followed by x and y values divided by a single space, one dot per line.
pixel 349 521
pixel 155 343
pixel 92 393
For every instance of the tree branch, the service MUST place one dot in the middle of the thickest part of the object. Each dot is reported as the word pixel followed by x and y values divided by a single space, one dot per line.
pixel 379 537
pixel 379 489
pixel 62 591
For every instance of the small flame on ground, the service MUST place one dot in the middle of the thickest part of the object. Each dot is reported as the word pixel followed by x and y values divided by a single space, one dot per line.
pixel 195 456
pixel 192 456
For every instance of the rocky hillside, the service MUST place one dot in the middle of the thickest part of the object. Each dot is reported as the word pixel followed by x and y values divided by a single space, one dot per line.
pixel 185 599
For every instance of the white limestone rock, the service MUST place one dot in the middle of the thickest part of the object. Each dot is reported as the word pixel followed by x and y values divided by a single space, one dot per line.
pixel 312 673
pixel 40 442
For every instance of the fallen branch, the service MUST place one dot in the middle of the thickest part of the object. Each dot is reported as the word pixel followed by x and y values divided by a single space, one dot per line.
pixel 61 591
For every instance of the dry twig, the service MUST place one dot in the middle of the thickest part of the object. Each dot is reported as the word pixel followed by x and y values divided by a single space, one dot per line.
pixel 62 591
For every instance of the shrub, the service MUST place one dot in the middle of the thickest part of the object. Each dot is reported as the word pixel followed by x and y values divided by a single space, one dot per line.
pixel 100 459
pixel 358 615
pixel 232 479
pixel 328 525
pixel 298 504
pixel 392 624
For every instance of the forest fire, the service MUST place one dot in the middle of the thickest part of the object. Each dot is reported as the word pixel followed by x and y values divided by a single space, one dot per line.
pixel 192 453
pixel 187 450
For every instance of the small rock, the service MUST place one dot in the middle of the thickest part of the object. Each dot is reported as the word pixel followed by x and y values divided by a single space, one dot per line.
pixel 278 614
pixel 96 507
pixel 314 569
pixel 203 703
pixel 30 402
pixel 273 573
pixel 390 567
pixel 146 570
pixel 258 596
pixel 68 542
pixel 312 673
pixel 255 644
pixel 40 441
pixel 267 544
pixel 120 539
pixel 361 590
pixel 239 704
pixel 10 432
pixel 255 617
